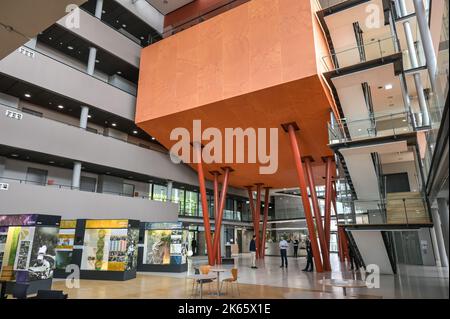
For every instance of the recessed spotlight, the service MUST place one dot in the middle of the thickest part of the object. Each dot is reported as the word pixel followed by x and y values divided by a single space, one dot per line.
pixel 97 61
pixel 89 116
pixel 404 120
pixel 70 47
pixel 142 38
pixel 135 132
pixel 60 107
pixel 50 38
pixel 360 129
pixel 60 43
pixel 15 155
pixel 124 25
pixel 28 95
pixel 107 173
pixel 114 124
pixel 50 103
pixel 51 162
pixel 388 86
pixel 119 72
pixel 153 138
pixel 103 11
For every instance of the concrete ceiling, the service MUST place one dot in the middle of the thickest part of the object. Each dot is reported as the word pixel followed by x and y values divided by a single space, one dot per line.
pixel 167 6
pixel 21 20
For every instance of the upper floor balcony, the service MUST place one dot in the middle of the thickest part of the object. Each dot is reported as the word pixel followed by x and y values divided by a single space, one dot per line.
pixel 65 141
pixel 23 197
pixel 68 80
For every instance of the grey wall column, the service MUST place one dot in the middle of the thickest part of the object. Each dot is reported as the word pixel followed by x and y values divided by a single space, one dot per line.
pixel 91 62
pixel 99 9
pixel 439 237
pixel 84 116
pixel 427 41
pixel 169 190
pixel 443 214
pixel 76 175
pixel 437 254
pixel 425 118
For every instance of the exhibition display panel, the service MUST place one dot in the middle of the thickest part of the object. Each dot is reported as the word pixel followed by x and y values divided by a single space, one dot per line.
pixel 109 249
pixel 64 248
pixel 28 250
pixel 163 247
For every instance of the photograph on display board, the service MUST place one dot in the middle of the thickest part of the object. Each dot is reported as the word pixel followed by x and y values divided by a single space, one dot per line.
pixel 3 237
pixel 96 249
pixel 43 254
pixel 23 252
pixel 64 248
pixel 132 249
pixel 118 243
pixel 157 247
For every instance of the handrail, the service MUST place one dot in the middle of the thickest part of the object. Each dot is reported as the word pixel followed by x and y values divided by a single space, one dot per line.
pixel 78 127
pixel 203 17
pixel 76 69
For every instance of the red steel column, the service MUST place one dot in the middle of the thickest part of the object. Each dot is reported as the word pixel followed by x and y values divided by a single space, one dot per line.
pixel 257 218
pixel 328 194
pixel 216 175
pixel 218 223
pixel 317 214
pixel 252 209
pixel 201 182
pixel 304 193
pixel 262 247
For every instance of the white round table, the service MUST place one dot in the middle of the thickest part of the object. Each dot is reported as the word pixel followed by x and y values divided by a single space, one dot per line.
pixel 218 271
pixel 344 284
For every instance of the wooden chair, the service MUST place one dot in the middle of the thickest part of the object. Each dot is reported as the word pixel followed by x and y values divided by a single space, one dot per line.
pixel 204 270
pixel 232 281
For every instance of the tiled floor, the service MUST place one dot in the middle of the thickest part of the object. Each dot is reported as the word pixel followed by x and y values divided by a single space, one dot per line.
pixel 271 281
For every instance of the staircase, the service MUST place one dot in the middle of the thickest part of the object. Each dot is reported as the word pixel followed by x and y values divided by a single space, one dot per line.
pixel 406 208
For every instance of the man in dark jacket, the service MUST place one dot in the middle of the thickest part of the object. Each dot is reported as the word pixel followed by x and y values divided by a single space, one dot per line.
pixel 253 251
pixel 309 257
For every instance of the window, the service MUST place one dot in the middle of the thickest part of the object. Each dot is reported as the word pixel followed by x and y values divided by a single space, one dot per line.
pixel 191 204
pixel 88 184
pixel 178 197
pixel 128 190
pixel 36 176
pixel 159 192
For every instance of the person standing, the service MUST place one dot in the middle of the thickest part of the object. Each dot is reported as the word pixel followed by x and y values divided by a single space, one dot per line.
pixel 194 246
pixel 253 251
pixel 283 252
pixel 309 257
pixel 353 262
pixel 296 242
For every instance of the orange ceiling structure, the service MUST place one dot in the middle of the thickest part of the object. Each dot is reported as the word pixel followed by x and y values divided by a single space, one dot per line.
pixel 256 66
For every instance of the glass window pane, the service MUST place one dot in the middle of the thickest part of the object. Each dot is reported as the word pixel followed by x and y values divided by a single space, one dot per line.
pixel 159 192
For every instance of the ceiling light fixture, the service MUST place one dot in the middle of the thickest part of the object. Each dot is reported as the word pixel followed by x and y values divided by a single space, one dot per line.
pixel 153 138
pixel 124 25
pixel 89 116
pixel 70 47
pixel 28 95
pixel 15 155
pixel 60 107
pixel 135 132
pixel 114 124
pixel 119 72
pixel 51 162
pixel 388 86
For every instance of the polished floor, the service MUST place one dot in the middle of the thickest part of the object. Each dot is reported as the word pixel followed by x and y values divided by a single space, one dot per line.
pixel 270 281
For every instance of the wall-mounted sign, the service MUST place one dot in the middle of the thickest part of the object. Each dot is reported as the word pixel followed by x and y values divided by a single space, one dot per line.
pixel 4 186
pixel 27 52
pixel 13 115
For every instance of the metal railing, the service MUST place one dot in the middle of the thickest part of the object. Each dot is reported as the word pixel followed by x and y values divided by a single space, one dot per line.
pixel 379 125
pixel 401 210
pixel 374 49
pixel 206 15
pixel 13 109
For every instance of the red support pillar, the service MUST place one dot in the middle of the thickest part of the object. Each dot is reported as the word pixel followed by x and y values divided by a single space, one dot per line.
pixel 304 193
pixel 257 219
pixel 216 175
pixel 318 215
pixel 262 245
pixel 218 224
pixel 206 222
pixel 328 195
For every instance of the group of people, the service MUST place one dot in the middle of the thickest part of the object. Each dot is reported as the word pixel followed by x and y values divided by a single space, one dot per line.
pixel 284 245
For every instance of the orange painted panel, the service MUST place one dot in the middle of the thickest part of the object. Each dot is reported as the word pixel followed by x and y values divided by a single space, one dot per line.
pixel 254 66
